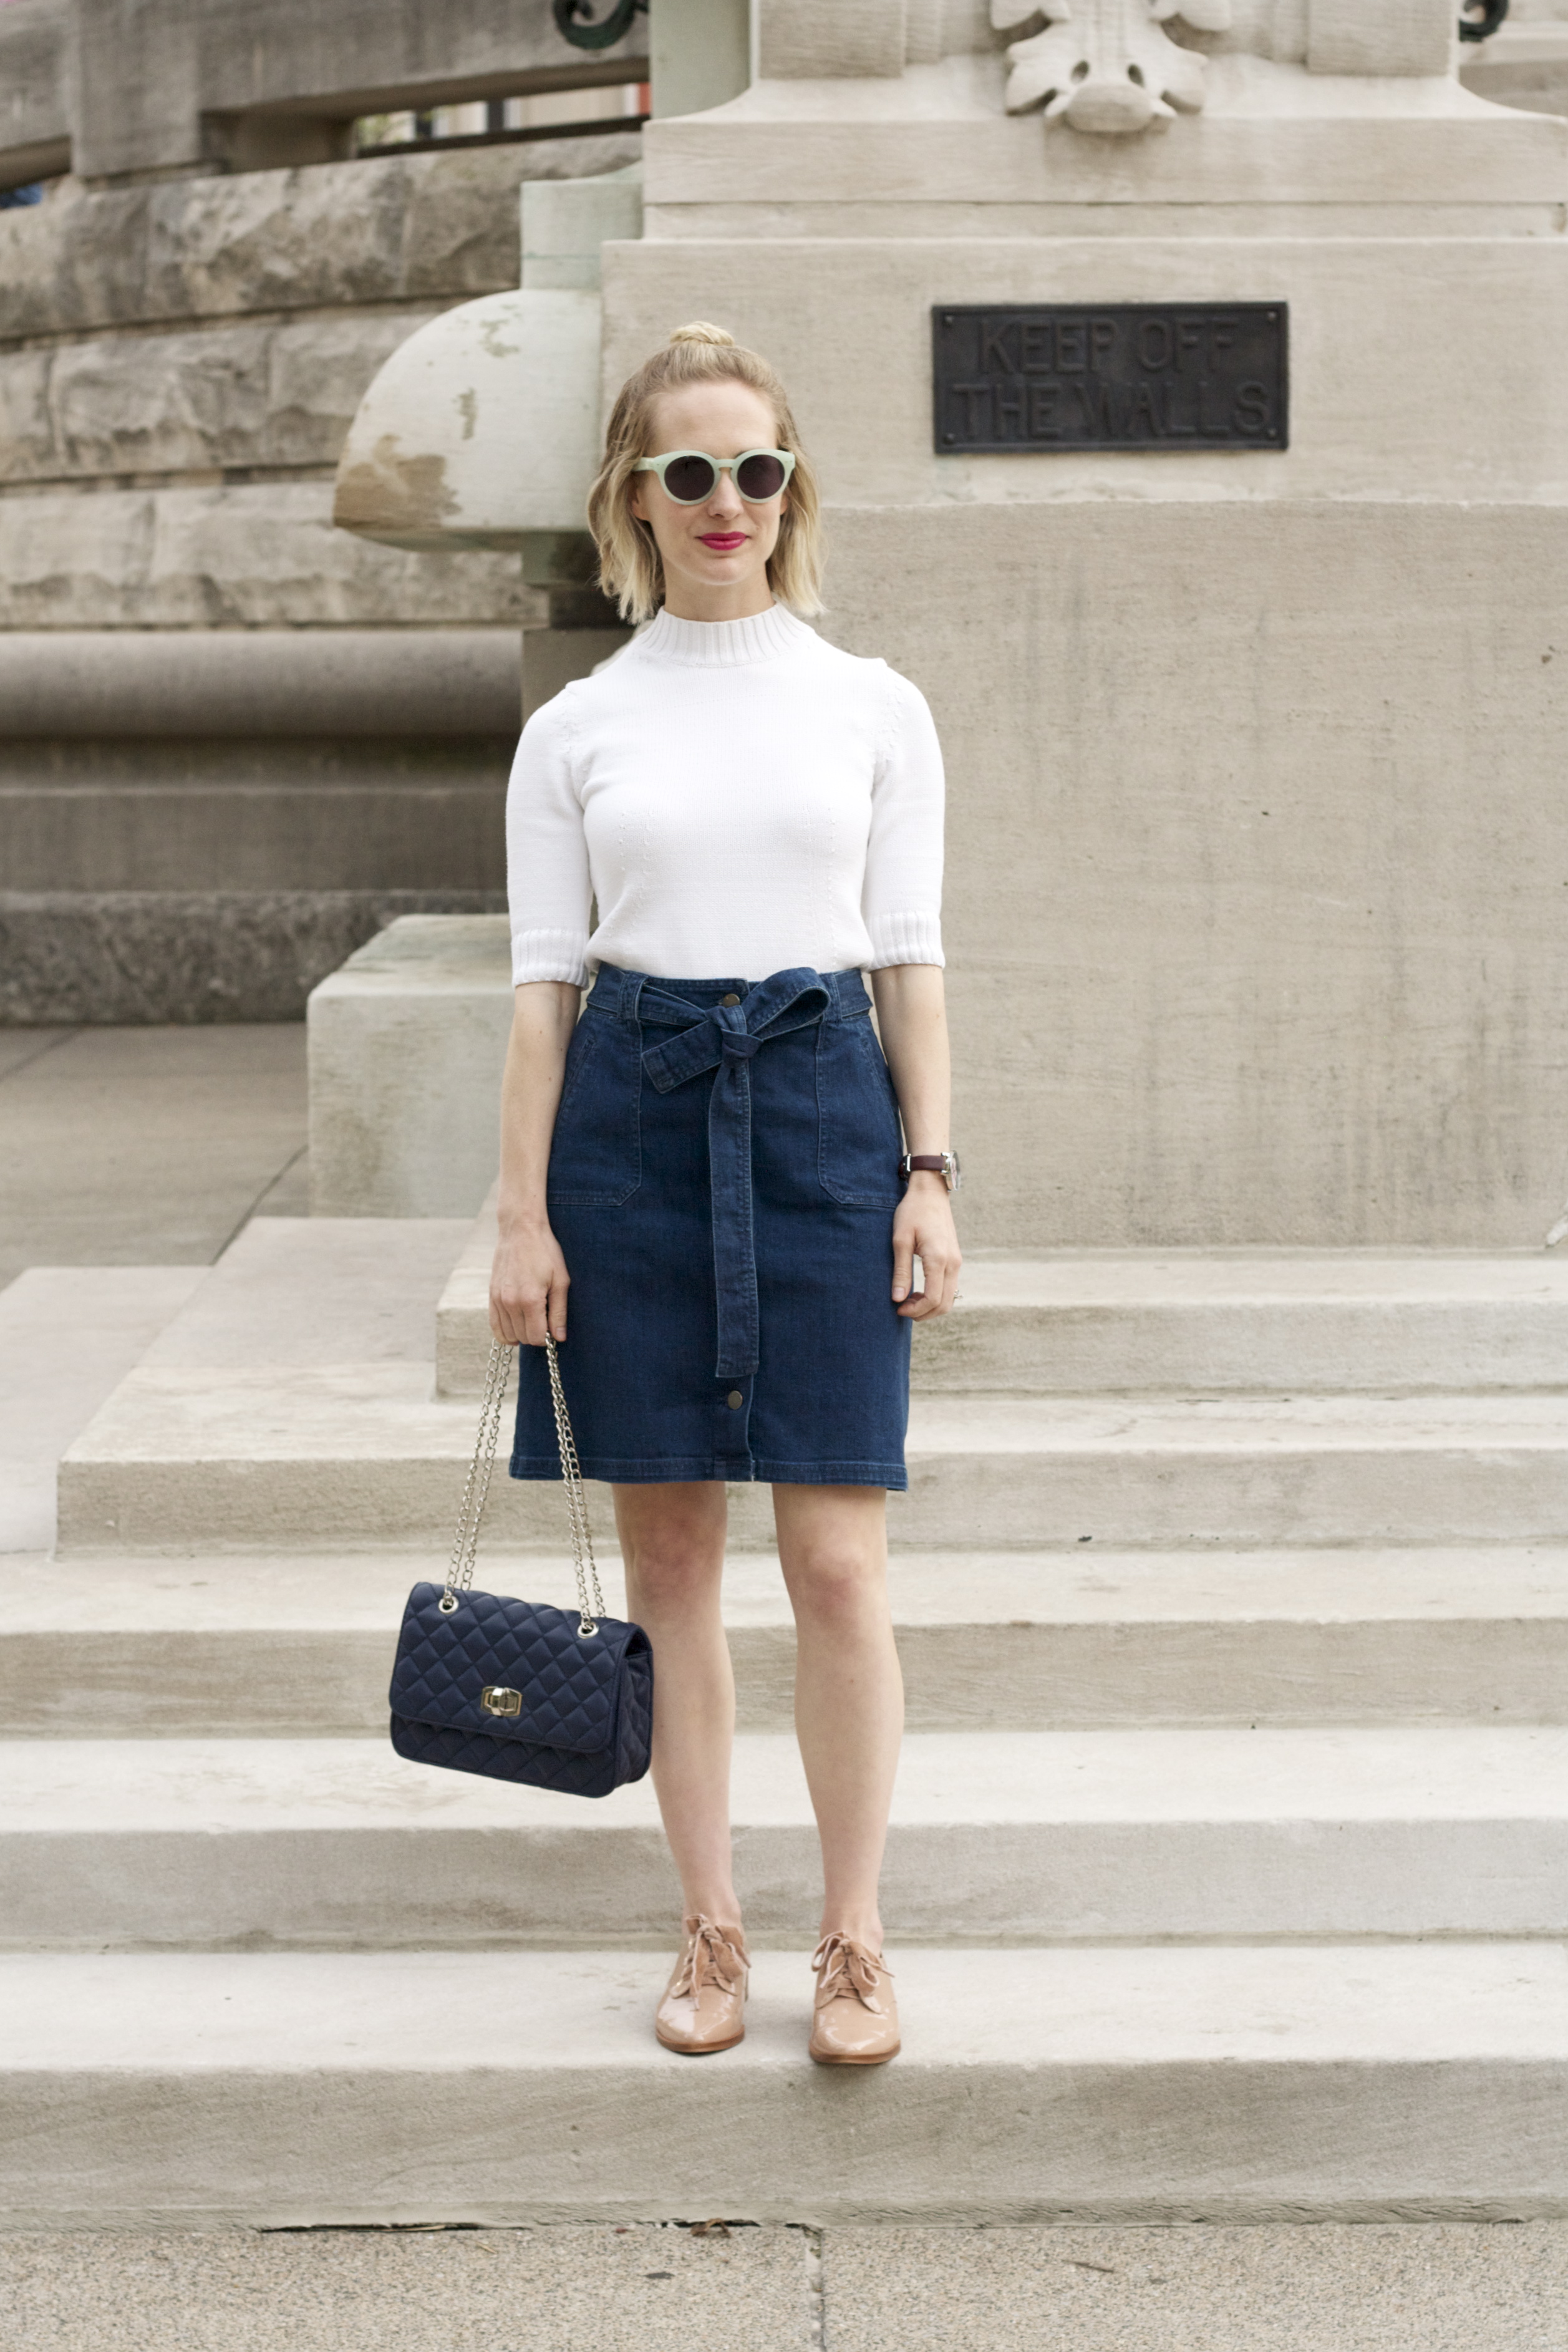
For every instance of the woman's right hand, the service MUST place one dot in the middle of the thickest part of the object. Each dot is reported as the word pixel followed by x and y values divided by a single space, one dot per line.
pixel 529 1283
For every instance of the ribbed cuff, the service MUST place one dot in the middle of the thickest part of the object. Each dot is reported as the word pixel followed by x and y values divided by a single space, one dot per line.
pixel 905 939
pixel 550 955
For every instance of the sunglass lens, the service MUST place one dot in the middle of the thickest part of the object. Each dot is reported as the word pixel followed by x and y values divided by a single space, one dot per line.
pixel 761 476
pixel 689 479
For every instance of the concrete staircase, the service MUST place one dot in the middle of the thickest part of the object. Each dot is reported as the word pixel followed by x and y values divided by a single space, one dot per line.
pixel 1229 1871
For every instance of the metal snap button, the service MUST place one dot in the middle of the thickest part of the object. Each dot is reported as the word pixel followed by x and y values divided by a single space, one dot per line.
pixel 731 999
pixel 734 1399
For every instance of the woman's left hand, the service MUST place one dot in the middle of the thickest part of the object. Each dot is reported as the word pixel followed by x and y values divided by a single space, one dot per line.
pixel 923 1228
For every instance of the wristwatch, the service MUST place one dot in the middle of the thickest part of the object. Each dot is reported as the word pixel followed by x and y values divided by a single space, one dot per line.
pixel 940 1163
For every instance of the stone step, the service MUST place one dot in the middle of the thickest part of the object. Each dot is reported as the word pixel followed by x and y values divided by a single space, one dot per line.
pixel 462 1312
pixel 68 1335
pixel 298 1645
pixel 1269 1322
pixel 199 2090
pixel 1075 1323
pixel 312 1455
pixel 1022 1837
pixel 300 1292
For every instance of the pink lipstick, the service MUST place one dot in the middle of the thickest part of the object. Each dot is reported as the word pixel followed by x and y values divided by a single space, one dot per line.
pixel 723 542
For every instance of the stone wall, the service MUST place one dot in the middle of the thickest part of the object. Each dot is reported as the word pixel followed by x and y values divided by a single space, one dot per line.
pixel 179 363
pixel 117 87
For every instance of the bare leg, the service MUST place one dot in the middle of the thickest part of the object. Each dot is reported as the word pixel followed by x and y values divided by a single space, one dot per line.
pixel 848 1691
pixel 672 1539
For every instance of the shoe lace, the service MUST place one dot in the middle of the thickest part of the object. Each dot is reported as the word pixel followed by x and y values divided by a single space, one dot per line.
pixel 847 1971
pixel 710 1958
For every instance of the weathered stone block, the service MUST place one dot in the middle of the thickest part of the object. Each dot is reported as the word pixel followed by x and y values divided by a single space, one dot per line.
pixel 253 555
pixel 130 958
pixel 402 228
pixel 276 393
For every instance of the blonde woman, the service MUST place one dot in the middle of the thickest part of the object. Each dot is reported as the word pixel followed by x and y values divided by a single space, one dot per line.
pixel 709 1163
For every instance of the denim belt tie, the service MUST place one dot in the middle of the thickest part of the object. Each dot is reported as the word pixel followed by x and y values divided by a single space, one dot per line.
pixel 726 1038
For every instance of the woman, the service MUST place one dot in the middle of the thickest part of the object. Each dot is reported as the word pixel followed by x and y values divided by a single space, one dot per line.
pixel 712 1162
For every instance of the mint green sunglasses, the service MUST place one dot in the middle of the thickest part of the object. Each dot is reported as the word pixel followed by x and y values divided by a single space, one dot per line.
pixel 690 476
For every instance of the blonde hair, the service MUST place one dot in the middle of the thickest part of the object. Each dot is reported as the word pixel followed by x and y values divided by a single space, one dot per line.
pixel 630 568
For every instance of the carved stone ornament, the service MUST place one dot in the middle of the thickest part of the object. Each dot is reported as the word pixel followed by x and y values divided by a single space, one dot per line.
pixel 1107 66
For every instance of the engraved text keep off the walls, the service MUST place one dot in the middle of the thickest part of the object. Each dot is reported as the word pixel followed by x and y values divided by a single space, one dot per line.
pixel 1116 376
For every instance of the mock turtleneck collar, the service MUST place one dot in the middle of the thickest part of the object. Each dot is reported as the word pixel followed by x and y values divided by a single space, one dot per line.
pixel 722 644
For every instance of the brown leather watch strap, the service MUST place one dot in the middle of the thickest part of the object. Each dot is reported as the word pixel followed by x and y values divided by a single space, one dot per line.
pixel 936 1164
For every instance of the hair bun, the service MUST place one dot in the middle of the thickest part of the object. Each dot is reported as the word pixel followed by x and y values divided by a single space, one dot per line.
pixel 701 330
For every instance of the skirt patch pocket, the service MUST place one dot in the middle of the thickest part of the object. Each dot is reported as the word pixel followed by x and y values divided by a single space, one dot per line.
pixel 860 1138
pixel 595 1157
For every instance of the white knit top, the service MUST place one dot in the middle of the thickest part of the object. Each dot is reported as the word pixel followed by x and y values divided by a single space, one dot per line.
pixel 739 797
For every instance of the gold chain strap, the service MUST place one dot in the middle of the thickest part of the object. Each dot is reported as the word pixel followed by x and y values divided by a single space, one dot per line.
pixel 582 1559
pixel 476 1492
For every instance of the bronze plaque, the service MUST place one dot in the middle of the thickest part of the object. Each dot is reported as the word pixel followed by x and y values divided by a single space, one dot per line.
pixel 1111 375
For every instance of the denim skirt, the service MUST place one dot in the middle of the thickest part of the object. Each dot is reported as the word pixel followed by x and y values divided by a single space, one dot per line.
pixel 722 1182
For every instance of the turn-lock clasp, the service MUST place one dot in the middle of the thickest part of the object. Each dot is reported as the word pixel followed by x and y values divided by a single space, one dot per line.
pixel 497 1699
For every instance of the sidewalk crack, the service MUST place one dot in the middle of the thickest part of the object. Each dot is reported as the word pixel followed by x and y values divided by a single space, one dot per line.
pixel 815 2291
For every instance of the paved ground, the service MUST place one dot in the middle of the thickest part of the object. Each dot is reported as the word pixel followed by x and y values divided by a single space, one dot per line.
pixel 145 1146
pixel 151 1147
pixel 1398 2288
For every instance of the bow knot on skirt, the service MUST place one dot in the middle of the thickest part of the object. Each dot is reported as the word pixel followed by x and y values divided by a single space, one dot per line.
pixel 722 1182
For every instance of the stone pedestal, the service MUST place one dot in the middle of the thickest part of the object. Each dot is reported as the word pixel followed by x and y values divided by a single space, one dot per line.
pixel 1256 861
pixel 407 1046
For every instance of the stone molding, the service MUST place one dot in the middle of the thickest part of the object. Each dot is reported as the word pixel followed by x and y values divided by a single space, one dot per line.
pixel 111 683
pixel 1106 67
pixel 392 815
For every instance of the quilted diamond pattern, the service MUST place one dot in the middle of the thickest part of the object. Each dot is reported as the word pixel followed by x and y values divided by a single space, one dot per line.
pixel 507 1760
pixel 586 1719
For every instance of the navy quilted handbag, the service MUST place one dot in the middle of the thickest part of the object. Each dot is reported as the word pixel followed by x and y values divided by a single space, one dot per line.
pixel 515 1689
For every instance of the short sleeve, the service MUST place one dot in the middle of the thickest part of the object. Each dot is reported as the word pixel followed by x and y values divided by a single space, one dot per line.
pixel 549 893
pixel 901 898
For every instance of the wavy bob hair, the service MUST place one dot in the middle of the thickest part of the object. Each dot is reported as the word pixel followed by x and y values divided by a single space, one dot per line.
pixel 630 569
